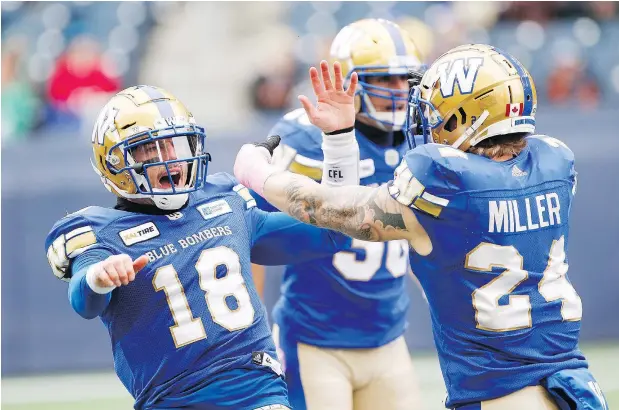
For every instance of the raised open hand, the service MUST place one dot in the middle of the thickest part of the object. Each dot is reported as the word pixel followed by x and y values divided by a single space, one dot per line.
pixel 335 109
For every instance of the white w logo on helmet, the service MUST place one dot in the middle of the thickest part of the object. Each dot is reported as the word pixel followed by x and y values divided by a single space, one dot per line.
pixel 454 72
pixel 104 123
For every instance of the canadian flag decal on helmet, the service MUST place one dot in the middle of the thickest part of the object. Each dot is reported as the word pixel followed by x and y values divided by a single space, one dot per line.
pixel 514 110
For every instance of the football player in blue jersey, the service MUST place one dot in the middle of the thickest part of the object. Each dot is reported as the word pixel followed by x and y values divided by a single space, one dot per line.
pixel 340 320
pixel 485 205
pixel 168 268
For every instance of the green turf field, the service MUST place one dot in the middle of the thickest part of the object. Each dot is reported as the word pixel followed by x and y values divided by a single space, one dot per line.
pixel 102 391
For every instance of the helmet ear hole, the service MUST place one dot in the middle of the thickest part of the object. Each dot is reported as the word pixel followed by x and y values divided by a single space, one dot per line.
pixel 451 124
pixel 463 115
pixel 103 165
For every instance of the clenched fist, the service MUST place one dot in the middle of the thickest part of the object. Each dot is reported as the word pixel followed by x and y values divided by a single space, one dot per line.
pixel 116 270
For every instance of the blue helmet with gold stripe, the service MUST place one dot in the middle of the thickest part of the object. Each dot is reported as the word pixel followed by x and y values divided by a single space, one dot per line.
pixel 380 52
pixel 146 145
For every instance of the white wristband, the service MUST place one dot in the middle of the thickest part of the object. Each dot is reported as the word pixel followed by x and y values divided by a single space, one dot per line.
pixel 341 159
pixel 90 280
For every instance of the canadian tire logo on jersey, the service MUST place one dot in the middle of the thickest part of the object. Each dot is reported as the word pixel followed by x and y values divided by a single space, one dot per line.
pixel 139 233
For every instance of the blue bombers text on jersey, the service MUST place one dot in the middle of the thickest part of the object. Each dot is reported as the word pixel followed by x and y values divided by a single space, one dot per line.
pixel 356 298
pixel 190 330
pixel 503 311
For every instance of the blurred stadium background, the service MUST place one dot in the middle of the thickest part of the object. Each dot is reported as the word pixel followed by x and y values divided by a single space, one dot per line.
pixel 239 66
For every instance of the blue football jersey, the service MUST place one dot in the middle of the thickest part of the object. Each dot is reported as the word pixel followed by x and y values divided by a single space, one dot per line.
pixel 193 311
pixel 504 314
pixel 356 298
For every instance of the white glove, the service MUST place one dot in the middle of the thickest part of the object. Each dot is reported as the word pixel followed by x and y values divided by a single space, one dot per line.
pixel 253 165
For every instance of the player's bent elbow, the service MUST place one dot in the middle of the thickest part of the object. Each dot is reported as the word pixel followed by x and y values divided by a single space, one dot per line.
pixel 81 308
pixel 88 305
pixel 87 315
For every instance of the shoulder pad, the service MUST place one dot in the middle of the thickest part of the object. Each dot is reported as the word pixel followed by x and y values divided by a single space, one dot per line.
pixel 300 149
pixel 223 182
pixel 425 179
pixel 559 146
pixel 73 235
pixel 219 182
pixel 244 193
pixel 557 158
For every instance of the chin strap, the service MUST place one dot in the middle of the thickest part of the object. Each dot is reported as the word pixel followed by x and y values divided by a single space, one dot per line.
pixel 170 202
pixel 395 119
pixel 471 130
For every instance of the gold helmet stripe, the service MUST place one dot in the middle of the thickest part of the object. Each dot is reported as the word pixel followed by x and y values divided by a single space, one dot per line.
pixel 396 37
pixel 161 101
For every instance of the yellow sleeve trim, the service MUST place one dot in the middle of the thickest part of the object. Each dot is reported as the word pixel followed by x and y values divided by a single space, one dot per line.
pixel 81 241
pixel 428 207
pixel 314 173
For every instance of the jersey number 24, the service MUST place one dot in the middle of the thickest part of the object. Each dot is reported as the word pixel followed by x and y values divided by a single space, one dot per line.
pixel 516 314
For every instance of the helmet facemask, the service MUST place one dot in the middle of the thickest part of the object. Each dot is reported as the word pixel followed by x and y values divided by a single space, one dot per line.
pixel 394 118
pixel 421 116
pixel 165 164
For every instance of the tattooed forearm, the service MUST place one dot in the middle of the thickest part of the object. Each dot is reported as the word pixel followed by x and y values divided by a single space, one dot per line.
pixel 394 220
pixel 360 212
pixel 325 211
pixel 365 213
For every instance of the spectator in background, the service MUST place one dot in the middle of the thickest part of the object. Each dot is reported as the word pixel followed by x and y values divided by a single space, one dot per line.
pixel 271 93
pixel 78 77
pixel 20 102
pixel 557 10
pixel 571 82
pixel 603 10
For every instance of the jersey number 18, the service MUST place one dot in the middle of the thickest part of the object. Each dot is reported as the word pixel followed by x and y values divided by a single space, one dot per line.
pixel 188 329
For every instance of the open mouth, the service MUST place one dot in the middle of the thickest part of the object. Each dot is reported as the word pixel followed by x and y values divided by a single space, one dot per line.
pixel 164 180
